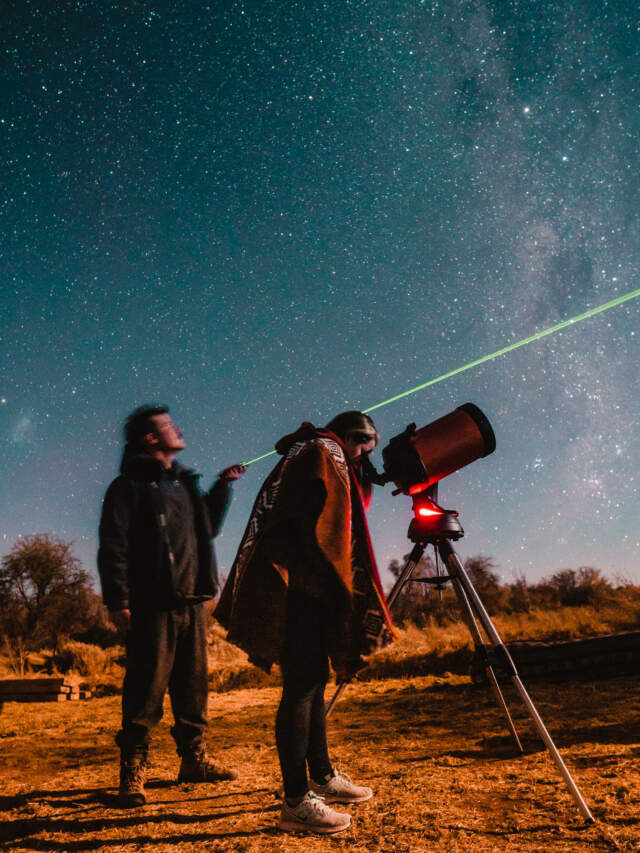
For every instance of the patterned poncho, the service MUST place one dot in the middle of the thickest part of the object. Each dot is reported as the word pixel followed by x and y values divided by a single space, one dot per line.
pixel 307 532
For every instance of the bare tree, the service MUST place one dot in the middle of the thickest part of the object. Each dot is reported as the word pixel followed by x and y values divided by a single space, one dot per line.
pixel 44 593
pixel 482 574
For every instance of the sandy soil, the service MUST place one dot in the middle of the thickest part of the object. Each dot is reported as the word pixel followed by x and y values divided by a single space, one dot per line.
pixel 435 751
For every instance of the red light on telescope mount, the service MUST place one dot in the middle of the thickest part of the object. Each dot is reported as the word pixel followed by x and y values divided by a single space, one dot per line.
pixel 427 512
pixel 424 507
pixel 432 522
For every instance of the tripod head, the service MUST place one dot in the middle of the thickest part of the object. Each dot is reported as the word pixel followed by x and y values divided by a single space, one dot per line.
pixel 431 523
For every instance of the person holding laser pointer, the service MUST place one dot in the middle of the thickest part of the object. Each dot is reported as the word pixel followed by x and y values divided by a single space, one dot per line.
pixel 157 569
pixel 304 590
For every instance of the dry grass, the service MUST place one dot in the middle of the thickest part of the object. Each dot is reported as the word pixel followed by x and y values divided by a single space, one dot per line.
pixel 434 750
pixel 229 667
pixel 433 747
pixel 438 649
pixel 102 670
pixel 434 649
pixel 569 623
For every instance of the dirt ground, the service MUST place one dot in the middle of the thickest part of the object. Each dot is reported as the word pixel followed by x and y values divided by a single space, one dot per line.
pixel 436 752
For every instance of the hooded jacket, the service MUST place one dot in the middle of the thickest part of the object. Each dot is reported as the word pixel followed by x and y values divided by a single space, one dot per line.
pixel 135 560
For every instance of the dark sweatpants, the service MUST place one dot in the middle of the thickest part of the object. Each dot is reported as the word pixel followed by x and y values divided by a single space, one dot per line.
pixel 165 649
pixel 301 735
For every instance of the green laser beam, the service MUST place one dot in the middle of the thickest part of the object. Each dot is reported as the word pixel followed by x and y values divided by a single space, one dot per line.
pixel 536 337
pixel 633 294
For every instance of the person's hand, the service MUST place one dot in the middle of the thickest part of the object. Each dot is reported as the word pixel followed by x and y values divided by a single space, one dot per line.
pixel 233 473
pixel 348 668
pixel 121 619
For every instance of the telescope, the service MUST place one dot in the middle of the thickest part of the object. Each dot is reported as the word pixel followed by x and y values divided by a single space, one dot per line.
pixel 415 460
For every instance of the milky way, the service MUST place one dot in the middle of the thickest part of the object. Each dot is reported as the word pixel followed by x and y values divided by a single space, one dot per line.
pixel 264 213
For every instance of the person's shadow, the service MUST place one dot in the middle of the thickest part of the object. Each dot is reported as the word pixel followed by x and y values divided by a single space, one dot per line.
pixel 84 813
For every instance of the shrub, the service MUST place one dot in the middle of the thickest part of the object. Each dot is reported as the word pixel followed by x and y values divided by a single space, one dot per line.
pixel 421 605
pixel 571 588
pixel 92 663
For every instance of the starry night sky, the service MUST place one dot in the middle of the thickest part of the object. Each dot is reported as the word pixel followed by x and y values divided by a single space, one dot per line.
pixel 267 212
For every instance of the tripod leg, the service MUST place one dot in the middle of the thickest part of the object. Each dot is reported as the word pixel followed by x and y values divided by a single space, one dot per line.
pixel 457 571
pixel 546 737
pixel 469 618
pixel 500 698
pixel 335 697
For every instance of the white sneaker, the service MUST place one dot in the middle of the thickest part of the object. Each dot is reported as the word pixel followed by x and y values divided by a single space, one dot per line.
pixel 312 814
pixel 340 789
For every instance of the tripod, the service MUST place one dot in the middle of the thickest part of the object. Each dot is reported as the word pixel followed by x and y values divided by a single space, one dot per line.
pixel 438 527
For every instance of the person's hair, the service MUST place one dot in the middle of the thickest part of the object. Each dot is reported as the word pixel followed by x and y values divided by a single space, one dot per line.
pixel 353 421
pixel 139 423
pixel 136 426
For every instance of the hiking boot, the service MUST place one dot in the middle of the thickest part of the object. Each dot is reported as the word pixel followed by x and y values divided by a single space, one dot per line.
pixel 340 789
pixel 196 766
pixel 312 814
pixel 132 773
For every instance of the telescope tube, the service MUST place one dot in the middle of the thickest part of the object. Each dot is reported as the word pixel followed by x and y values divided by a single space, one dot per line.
pixel 416 459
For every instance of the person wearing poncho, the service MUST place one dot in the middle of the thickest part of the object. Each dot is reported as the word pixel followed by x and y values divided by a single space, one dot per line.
pixel 304 589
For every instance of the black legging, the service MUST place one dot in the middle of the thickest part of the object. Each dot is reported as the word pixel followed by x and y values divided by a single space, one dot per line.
pixel 300 722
